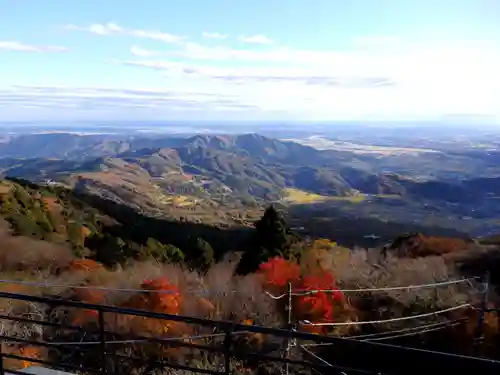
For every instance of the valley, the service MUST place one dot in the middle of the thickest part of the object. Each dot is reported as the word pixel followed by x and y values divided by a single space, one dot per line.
pixel 229 179
pixel 242 217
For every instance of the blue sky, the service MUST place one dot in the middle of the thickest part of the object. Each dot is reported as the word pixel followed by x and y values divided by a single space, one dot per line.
pixel 259 59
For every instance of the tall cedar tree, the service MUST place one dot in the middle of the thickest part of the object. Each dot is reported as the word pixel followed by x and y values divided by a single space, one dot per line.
pixel 272 238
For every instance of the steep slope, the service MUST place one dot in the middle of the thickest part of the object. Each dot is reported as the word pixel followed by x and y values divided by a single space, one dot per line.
pixel 102 229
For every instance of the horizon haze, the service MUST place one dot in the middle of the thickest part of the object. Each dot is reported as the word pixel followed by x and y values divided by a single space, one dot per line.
pixel 220 60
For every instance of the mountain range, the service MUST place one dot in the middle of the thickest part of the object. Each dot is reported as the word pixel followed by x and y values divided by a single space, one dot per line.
pixel 228 179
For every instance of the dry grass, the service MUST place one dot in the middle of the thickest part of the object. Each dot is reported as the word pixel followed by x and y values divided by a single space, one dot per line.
pixel 361 269
pixel 230 297
pixel 178 200
pixel 297 196
pixel 18 253
pixel 107 178
pixel 419 245
pixel 52 204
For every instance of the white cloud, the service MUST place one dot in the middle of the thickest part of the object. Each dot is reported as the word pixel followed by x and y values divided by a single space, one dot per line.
pixel 244 75
pixel 256 39
pixel 157 35
pixel 378 41
pixel 383 76
pixel 208 35
pixel 103 98
pixel 356 61
pixel 15 46
pixel 111 28
pixel 107 29
pixel 403 83
pixel 141 52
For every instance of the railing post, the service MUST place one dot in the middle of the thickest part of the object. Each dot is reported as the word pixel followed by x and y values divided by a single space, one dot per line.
pixel 227 350
pixel 2 372
pixel 479 334
pixel 102 338
pixel 289 327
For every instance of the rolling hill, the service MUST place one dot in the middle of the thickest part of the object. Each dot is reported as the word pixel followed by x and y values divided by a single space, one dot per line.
pixel 229 179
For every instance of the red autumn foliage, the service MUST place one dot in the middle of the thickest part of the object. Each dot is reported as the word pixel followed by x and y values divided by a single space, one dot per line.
pixel 278 272
pixel 322 306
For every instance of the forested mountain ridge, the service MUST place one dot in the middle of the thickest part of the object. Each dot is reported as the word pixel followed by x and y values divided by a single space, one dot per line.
pixel 230 179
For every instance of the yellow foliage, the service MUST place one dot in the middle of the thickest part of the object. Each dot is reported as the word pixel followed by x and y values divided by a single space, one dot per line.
pixel 303 197
pixel 321 254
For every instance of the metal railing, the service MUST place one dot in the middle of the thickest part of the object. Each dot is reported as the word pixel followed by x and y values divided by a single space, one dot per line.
pixel 226 348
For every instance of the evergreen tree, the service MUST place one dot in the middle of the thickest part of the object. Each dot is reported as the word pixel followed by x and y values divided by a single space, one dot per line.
pixel 201 253
pixel 272 238
pixel 272 233
pixel 161 252
pixel 109 250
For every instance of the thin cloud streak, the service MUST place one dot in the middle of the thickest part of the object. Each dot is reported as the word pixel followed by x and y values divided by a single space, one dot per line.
pixel 110 98
pixel 256 39
pixel 112 28
pixel 141 52
pixel 267 75
pixel 15 46
pixel 214 35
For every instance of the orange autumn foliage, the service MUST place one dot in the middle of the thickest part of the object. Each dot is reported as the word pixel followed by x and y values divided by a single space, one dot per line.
pixel 30 352
pixel 205 305
pixel 159 296
pixel 93 296
pixel 85 265
pixel 14 288
pixel 419 245
pixel 162 296
pixel 27 352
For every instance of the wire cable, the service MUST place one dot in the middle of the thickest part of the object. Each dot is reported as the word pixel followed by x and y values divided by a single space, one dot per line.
pixel 91 287
pixel 200 337
pixel 342 370
pixel 305 322
pixel 407 287
pixel 316 356
pixel 444 324
pixel 208 291
pixel 411 333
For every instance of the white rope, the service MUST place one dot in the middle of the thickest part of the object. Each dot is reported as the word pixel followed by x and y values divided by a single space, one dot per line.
pixel 316 356
pixel 305 322
pixel 432 285
pixel 91 287
pixel 208 291
pixel 412 333
pixel 62 343
pixel 326 363
pixel 444 324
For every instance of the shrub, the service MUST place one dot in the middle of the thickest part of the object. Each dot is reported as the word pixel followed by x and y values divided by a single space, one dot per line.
pixel 314 299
